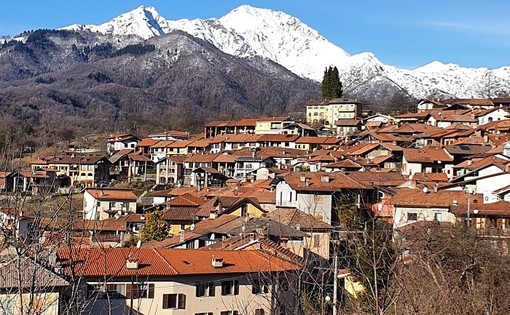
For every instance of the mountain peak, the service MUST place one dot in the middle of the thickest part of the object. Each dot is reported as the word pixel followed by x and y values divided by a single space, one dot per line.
pixel 143 21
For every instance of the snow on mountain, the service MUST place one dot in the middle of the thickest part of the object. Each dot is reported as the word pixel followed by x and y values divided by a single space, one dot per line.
pixel 247 32
pixel 142 21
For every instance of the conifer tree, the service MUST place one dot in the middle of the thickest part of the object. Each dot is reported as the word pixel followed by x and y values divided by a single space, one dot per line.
pixel 331 85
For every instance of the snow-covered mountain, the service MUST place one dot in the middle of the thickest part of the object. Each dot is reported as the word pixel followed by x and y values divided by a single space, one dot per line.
pixel 247 31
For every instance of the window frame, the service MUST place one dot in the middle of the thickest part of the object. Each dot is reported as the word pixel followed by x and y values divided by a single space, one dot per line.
pixel 176 301
pixel 230 287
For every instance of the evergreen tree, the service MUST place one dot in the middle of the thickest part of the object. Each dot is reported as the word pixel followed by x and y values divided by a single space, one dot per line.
pixel 336 85
pixel 331 85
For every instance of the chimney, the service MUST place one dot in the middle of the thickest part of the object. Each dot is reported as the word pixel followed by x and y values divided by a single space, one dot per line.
pixel 302 178
pixel 217 262
pixel 324 178
pixel 212 214
pixel 131 264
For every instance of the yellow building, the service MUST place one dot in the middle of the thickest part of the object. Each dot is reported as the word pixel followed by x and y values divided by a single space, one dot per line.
pixel 327 112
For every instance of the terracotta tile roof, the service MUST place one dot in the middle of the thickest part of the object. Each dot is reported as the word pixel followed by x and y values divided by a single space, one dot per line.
pixel 473 101
pixel 112 194
pixel 162 144
pixel 347 164
pixel 180 214
pixel 362 148
pixel 201 143
pixel 347 122
pixel 219 123
pixel 139 157
pixel 498 139
pixel 225 158
pixel 241 138
pixel 317 140
pixel 280 152
pixel 443 198
pixel 422 115
pixel 427 155
pixel 467 149
pixel 241 242
pixel 278 138
pixel 180 144
pixel 298 219
pixel 325 158
pixel 384 179
pixel 100 225
pixel 119 155
pixel 313 181
pixel 249 122
pixel 186 199
pixel 500 208
pixel 490 160
pixel 281 118
pixel 392 147
pixel 147 142
pixel 430 177
pixel 201 158
pixel 262 196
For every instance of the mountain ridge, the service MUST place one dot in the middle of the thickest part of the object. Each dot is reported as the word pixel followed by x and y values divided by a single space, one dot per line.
pixel 247 31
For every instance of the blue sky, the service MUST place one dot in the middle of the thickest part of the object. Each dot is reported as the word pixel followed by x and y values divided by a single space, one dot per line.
pixel 406 34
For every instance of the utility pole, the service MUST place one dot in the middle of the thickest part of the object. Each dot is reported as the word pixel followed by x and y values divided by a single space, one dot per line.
pixel 335 284
pixel 468 210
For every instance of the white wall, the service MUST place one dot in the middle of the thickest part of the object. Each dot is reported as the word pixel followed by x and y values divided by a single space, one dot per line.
pixel 400 216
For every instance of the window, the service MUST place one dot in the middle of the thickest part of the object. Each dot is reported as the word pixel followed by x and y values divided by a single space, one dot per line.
pixel 230 287
pixel 316 240
pixel 177 301
pixel 139 291
pixel 438 216
pixel 205 289
pixel 290 196
pixel 260 311
pixel 110 290
pixel 258 287
pixel 204 313
pixel 412 216
pixel 229 313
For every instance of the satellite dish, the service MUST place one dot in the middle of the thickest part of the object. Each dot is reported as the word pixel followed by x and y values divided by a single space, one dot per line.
pixel 192 227
pixel 139 244
pixel 425 190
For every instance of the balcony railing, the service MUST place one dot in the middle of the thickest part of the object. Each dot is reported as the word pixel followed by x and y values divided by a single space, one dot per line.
pixel 494 232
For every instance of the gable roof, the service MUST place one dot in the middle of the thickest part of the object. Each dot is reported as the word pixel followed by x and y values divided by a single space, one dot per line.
pixel 20 270
pixel 427 155
pixel 167 262
pixel 106 194
pixel 315 181
pixel 299 220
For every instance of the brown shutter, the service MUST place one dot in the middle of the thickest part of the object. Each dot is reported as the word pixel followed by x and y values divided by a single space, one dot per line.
pixel 236 287
pixel 129 291
pixel 165 300
pixel 182 301
pixel 212 289
pixel 151 291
